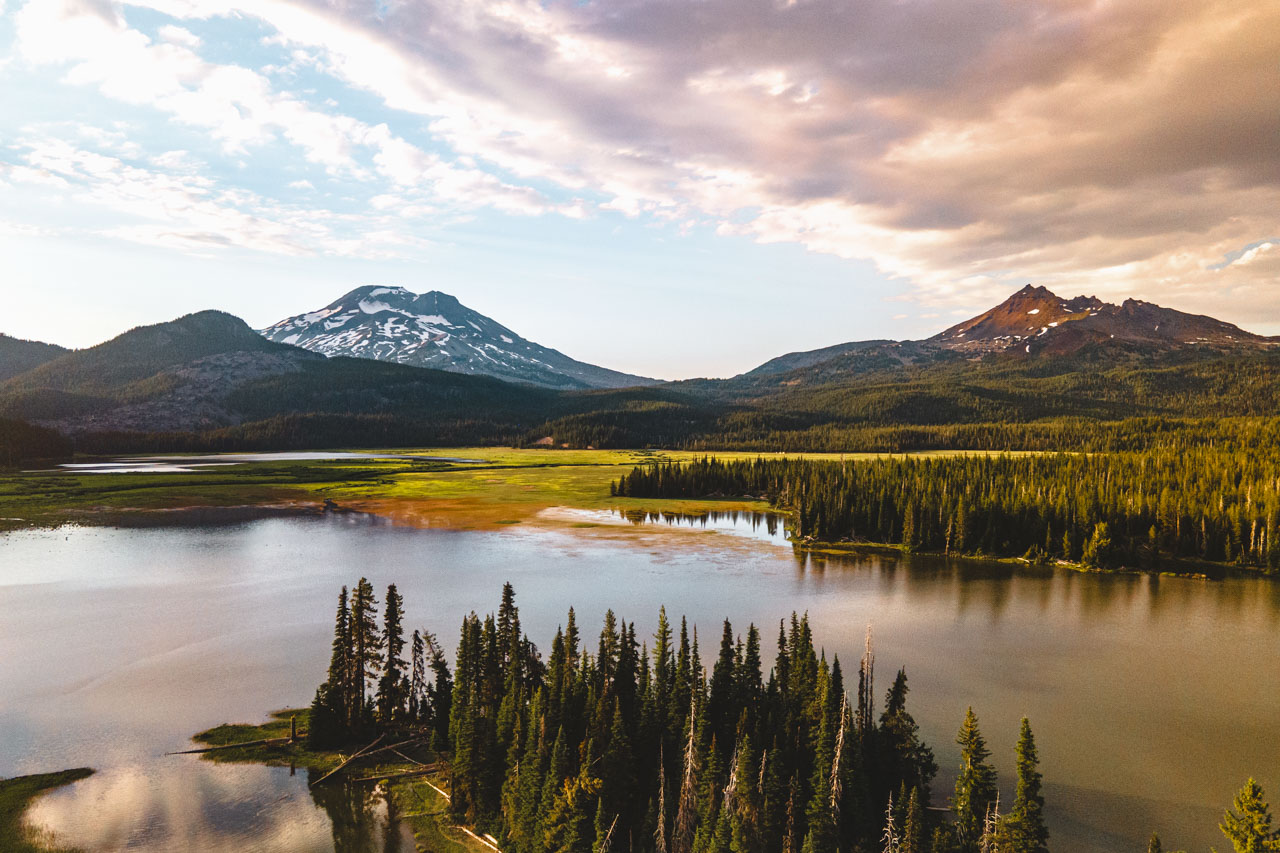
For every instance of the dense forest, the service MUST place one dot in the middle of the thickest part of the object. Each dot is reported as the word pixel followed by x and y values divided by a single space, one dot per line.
pixel 1180 502
pixel 638 749
pixel 20 442
pixel 665 429
pixel 941 402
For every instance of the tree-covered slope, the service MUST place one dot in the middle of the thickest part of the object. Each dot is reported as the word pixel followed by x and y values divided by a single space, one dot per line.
pixel 18 356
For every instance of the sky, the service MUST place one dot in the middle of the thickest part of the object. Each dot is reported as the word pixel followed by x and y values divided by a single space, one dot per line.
pixel 672 188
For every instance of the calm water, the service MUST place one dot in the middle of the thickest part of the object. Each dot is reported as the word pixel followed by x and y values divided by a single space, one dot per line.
pixel 1152 698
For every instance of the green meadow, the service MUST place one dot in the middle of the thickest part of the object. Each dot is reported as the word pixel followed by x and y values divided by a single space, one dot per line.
pixel 504 486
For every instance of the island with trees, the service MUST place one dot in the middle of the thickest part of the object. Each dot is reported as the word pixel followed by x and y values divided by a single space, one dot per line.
pixel 637 746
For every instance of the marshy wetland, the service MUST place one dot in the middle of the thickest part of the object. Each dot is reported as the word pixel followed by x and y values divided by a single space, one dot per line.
pixel 142 608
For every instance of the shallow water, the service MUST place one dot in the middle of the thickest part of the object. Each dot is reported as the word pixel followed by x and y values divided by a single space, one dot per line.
pixel 1151 698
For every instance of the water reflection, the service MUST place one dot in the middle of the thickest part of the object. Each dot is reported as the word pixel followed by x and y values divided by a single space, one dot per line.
pixel 1152 697
pixel 769 525
pixel 193 805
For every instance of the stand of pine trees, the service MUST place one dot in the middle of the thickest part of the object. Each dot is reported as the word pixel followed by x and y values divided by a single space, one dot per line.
pixel 346 709
pixel 1137 510
pixel 627 748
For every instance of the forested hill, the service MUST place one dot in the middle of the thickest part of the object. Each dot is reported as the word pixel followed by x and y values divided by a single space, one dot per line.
pixel 185 383
pixel 18 356
pixel 948 401
pixel 207 381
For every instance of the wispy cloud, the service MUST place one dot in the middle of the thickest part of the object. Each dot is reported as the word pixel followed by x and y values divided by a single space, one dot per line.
pixel 1118 147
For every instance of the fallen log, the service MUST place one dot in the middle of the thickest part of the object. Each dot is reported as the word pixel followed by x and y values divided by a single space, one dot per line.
pixel 348 761
pixel 271 741
pixel 402 774
pixel 393 747
pixel 410 760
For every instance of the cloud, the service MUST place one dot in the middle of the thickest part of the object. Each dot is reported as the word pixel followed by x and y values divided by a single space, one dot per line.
pixel 1119 147
pixel 238 106
pixel 192 213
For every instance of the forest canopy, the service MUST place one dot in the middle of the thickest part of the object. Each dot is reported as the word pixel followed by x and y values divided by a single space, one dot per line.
pixel 632 747
pixel 1147 510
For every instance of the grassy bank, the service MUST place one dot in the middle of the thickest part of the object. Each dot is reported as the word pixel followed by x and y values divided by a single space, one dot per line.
pixel 15 796
pixel 417 803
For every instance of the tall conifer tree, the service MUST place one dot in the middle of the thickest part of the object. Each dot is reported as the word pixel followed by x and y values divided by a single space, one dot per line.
pixel 975 785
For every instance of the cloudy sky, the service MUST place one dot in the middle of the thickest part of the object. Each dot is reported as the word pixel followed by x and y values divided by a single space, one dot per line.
pixel 667 187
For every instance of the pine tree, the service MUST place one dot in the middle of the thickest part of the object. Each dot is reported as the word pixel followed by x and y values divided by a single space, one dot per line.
pixel 439 693
pixel 905 759
pixel 417 679
pixel 687 803
pixel 365 642
pixel 523 830
pixel 340 664
pixel 569 821
pixel 913 828
pixel 722 703
pixel 1154 846
pixel 744 799
pixel 329 721
pixel 1247 825
pixel 1023 829
pixel 390 702
pixel 975 785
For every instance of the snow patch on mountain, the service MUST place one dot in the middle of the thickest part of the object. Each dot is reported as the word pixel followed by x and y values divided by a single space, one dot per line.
pixel 435 330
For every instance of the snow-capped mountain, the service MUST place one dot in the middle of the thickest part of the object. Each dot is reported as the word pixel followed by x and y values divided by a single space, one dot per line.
pixel 435 330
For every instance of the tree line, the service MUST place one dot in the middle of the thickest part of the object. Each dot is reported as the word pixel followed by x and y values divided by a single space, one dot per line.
pixel 22 442
pixel 632 748
pixel 1128 509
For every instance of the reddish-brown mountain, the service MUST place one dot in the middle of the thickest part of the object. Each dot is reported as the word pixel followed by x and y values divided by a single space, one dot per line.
pixel 1035 320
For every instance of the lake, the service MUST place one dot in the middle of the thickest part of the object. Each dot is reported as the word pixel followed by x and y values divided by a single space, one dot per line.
pixel 1152 699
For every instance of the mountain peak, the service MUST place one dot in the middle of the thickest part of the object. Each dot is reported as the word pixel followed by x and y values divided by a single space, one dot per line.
pixel 434 329
pixel 1034 319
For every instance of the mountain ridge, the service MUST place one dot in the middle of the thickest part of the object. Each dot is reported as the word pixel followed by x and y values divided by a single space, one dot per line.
pixel 1033 321
pixel 17 356
pixel 209 372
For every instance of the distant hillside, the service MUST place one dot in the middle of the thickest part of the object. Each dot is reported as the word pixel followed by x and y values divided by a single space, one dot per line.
pixel 795 360
pixel 435 330
pixel 210 370
pixel 166 376
pixel 207 381
pixel 19 356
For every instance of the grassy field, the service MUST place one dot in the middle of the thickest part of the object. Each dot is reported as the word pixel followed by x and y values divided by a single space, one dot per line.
pixel 415 802
pixel 504 486
pixel 15 796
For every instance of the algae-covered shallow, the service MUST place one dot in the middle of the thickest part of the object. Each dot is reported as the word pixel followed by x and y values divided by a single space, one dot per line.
pixel 123 642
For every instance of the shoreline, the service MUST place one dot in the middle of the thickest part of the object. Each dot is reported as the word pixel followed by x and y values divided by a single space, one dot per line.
pixel 416 801
pixel 16 796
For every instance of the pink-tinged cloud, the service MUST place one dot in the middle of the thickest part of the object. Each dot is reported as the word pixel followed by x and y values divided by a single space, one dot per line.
pixel 1109 146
